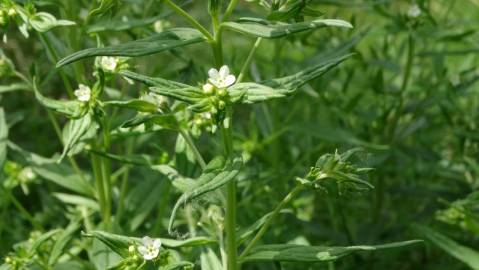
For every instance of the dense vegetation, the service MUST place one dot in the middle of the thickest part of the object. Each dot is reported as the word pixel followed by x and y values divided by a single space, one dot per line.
pixel 250 134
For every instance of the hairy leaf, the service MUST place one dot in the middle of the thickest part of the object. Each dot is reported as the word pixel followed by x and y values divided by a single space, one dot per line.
pixel 262 28
pixel 299 253
pixel 166 40
pixel 207 182
pixel 465 254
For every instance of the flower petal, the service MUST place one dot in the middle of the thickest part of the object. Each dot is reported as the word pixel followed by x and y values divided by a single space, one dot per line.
pixel 157 243
pixel 229 80
pixel 143 250
pixel 215 83
pixel 147 241
pixel 213 73
pixel 224 71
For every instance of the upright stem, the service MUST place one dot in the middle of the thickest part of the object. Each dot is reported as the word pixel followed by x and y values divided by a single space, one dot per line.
pixel 230 226
pixel 186 135
pixel 270 219
pixel 229 9
pixel 190 19
pixel 248 60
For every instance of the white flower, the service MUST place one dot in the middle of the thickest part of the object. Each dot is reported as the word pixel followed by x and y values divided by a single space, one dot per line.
pixel 414 11
pixel 109 63
pixel 150 248
pixel 27 174
pixel 83 93
pixel 221 78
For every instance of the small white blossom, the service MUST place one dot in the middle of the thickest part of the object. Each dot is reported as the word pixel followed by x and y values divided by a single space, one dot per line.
pixel 150 248
pixel 109 63
pixel 208 88
pixel 83 93
pixel 27 174
pixel 12 12
pixel 221 78
pixel 414 11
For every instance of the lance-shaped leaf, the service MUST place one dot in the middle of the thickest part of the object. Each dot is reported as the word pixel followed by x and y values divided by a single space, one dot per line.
pixel 72 108
pixel 252 93
pixel 105 5
pixel 134 104
pixel 262 28
pixel 193 96
pixel 152 81
pixel 465 254
pixel 43 22
pixel 62 241
pixel 3 137
pixel 74 131
pixel 120 25
pixel 211 179
pixel 167 121
pixel 312 254
pixel 166 40
pixel 293 82
pixel 120 243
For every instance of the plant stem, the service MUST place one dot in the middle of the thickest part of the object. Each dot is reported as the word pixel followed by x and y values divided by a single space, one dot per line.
pixel 248 60
pixel 96 165
pixel 190 19
pixel 229 9
pixel 22 210
pixel 230 226
pixel 186 135
pixel 268 222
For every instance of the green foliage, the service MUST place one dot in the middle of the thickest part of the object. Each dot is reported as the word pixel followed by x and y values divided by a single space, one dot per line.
pixel 142 134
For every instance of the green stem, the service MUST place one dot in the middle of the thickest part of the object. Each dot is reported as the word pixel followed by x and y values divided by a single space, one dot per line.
pixel 186 135
pixel 270 219
pixel 190 19
pixel 229 9
pixel 22 210
pixel 230 226
pixel 96 165
pixel 106 171
pixel 248 60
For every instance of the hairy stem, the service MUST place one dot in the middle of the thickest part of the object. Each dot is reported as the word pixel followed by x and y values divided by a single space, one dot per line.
pixel 248 60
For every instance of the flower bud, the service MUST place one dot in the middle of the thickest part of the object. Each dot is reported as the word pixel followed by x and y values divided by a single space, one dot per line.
pixel 12 12
pixel 8 260
pixel 221 104
pixel 222 92
pixel 208 88
pixel 131 249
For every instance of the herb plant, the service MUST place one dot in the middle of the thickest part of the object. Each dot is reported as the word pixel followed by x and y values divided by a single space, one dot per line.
pixel 162 134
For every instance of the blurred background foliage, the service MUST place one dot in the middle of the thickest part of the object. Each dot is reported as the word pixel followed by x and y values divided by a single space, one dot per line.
pixel 408 96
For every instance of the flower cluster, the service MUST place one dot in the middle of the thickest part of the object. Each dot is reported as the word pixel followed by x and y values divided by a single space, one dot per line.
pixel 111 64
pixel 216 88
pixel 83 93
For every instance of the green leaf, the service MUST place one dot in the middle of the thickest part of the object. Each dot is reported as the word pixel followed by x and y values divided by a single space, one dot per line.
pixel 120 25
pixel 210 180
pixel 134 104
pixel 166 40
pixel 77 200
pixel 59 174
pixel 62 242
pixel 14 87
pixel 178 265
pixel 465 254
pixel 293 82
pixel 74 132
pixel 210 261
pixel 43 22
pixel 42 239
pixel 151 81
pixel 261 28
pixel 312 254
pixel 65 177
pixel 3 138
pixel 120 243
pixel 73 108
pixel 105 5
pixel 167 121
pixel 190 95
pixel 249 93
